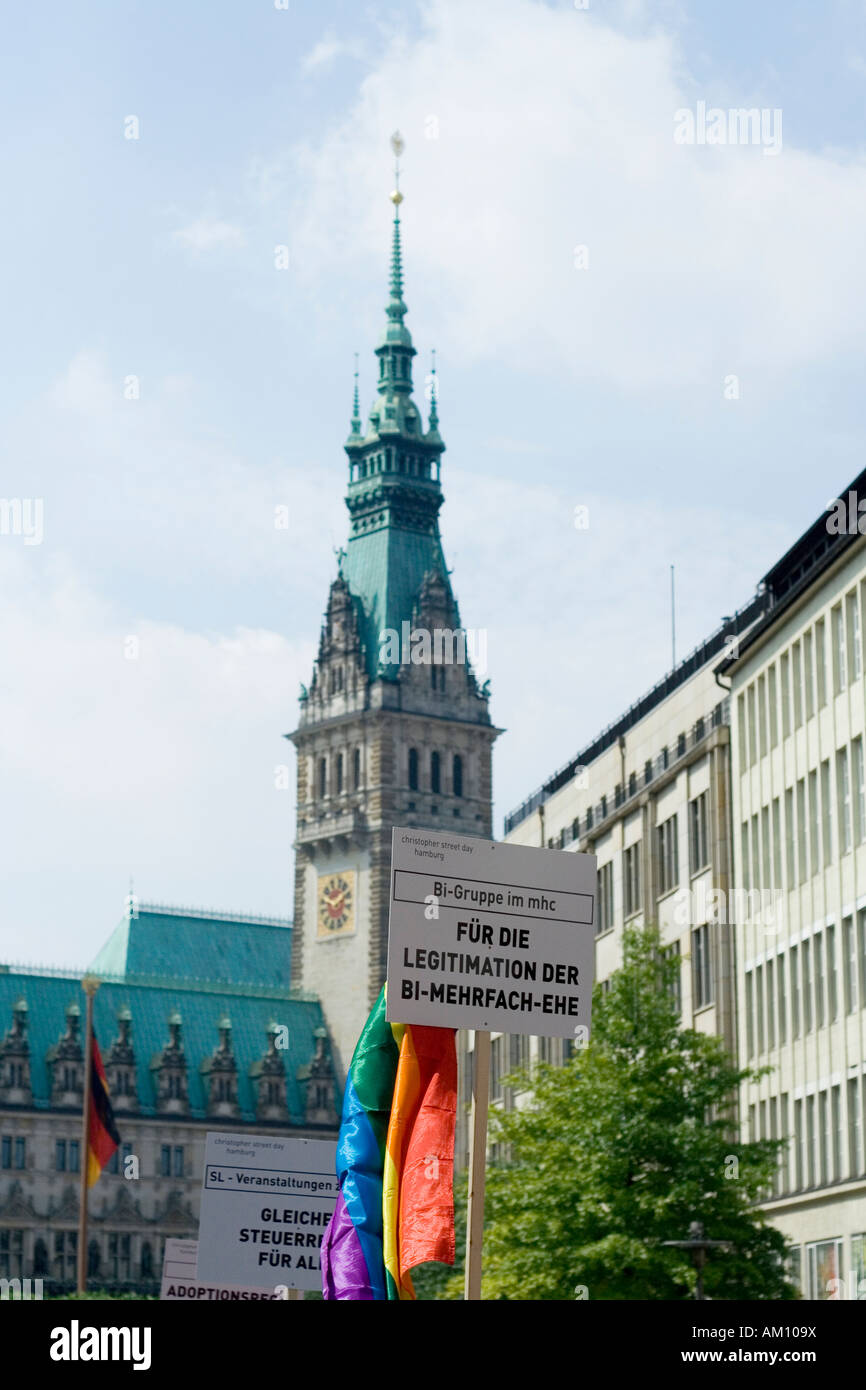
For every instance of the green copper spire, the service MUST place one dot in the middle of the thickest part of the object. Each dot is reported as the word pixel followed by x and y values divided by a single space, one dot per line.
pixel 394 493
pixel 434 396
pixel 355 431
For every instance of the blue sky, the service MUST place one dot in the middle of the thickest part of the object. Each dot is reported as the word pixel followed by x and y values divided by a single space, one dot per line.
pixel 531 129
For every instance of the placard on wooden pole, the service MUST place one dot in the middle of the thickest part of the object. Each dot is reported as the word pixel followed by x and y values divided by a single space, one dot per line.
pixel 477 1165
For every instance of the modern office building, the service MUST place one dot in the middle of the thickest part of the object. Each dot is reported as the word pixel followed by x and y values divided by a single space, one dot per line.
pixel 799 816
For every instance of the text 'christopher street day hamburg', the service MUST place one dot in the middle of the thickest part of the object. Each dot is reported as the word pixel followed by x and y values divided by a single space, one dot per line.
pixel 491 936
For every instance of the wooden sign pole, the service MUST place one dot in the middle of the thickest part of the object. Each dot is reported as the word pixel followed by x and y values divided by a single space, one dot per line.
pixel 477 1166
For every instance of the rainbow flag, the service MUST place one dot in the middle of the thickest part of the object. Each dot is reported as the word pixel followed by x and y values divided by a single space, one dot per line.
pixel 102 1135
pixel 395 1159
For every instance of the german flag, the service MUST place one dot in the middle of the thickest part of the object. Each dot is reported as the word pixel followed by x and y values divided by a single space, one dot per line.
pixel 102 1135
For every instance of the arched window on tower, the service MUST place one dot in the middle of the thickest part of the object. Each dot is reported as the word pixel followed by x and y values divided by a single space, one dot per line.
pixel 356 769
pixel 323 777
pixel 435 776
pixel 413 769
pixel 458 775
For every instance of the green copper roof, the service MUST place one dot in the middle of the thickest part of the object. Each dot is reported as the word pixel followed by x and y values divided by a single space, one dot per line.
pixel 251 1011
pixel 193 945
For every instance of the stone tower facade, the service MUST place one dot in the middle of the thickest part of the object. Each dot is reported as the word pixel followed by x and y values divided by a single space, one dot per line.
pixel 394 729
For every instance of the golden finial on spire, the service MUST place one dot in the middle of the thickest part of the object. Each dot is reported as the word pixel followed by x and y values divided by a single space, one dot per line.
pixel 398 145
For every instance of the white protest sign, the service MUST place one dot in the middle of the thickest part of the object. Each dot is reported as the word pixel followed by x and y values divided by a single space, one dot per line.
pixel 265 1204
pixel 490 936
pixel 181 1284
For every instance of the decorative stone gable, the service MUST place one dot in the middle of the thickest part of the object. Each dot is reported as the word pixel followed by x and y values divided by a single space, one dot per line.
pixel 15 1088
pixel 268 1076
pixel 65 1062
pixel 169 1072
pixel 319 1084
pixel 220 1075
pixel 120 1067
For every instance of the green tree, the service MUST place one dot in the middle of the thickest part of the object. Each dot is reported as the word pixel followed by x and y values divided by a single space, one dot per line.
pixel 620 1150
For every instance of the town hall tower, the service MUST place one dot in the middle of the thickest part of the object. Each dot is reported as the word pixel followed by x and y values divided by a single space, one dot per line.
pixel 394 729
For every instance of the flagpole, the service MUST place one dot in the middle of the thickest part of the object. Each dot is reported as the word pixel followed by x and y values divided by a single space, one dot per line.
pixel 477 1165
pixel 90 985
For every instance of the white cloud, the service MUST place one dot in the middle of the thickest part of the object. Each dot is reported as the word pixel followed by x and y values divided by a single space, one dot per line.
pixel 209 234
pixel 549 131
pixel 328 49
pixel 137 748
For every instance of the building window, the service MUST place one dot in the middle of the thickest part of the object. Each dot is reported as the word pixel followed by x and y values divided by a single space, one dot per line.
pixel 771 701
pixel 790 841
pixel 435 777
pixel 744 855
pixel 20 1153
pixel 753 723
pixel 165 1161
pixel 802 864
pixel 777 844
pixel 699 847
pixel 702 967
pixel 177 1161
pixel 826 813
pixel 11 1254
pixel 795 992
pixel 672 952
pixel 339 773
pixel 852 633
pixel 843 790
pixel 849 949
pixel 859 791
pixel 797 678
pixel 814 821
pixel 821 662
pixel 60 1156
pixel 784 682
pixel 840 676
pixel 666 847
pixel 605 898
pixel 413 769
pixel 496 1068
pixel 65 1250
pixel 823 1270
pixel 807 986
pixel 808 689
pixel 323 777
pixel 832 975
pixel 771 1004
pixel 631 879
pixel 356 769
pixel 750 1006
pixel 781 1016
pixel 818 953
pixel 457 775
pixel 759 1002
pixel 518 1057
pixel 855 1127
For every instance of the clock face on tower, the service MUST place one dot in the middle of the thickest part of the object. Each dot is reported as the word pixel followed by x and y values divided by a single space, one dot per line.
pixel 336 904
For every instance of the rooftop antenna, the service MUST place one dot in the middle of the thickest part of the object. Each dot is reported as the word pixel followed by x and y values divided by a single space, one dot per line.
pixel 673 623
